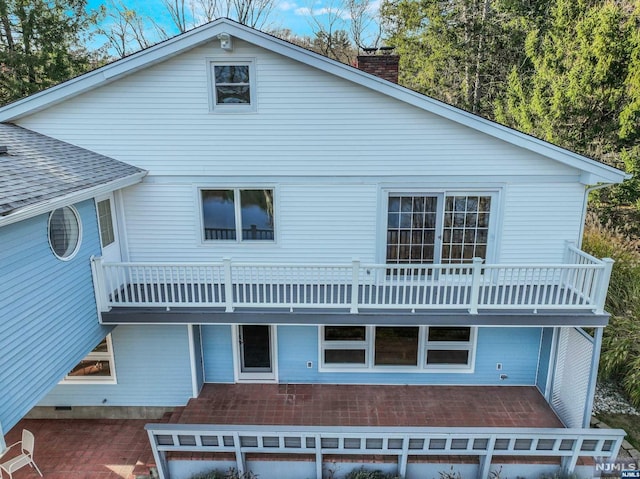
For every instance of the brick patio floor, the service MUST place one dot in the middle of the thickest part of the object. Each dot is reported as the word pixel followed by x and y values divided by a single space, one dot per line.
pixel 112 449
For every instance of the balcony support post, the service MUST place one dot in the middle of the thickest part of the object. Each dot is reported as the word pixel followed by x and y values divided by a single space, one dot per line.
pixel 228 286
pixel 476 274
pixel 355 280
pixel 603 285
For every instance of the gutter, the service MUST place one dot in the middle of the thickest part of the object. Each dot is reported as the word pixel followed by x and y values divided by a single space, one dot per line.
pixel 30 211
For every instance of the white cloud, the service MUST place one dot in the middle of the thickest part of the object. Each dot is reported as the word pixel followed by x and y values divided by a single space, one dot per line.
pixel 287 6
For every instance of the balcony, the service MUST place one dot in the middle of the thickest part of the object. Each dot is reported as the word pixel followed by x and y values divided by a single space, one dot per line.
pixel 579 284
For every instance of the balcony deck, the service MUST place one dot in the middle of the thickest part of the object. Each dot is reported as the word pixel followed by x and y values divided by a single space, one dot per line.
pixel 579 286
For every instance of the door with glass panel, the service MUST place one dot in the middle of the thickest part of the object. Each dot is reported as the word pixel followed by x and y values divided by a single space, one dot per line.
pixel 437 228
pixel 255 352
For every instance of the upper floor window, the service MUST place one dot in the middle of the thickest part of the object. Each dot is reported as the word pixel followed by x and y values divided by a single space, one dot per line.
pixel 437 228
pixel 64 232
pixel 105 222
pixel 233 86
pixel 97 366
pixel 238 214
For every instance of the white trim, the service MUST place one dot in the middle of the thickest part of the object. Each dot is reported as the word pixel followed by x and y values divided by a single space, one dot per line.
pixel 108 356
pixel 207 33
pixel 423 345
pixel 192 361
pixel 254 377
pixel 238 215
pixel 69 199
pixel 232 108
pixel 76 248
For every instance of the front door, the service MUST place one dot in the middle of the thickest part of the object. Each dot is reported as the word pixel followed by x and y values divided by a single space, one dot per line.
pixel 255 352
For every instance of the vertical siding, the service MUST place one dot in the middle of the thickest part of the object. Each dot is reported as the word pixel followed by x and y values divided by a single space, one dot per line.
pixel 49 319
pixel 152 367
pixel 218 353
pixel 545 357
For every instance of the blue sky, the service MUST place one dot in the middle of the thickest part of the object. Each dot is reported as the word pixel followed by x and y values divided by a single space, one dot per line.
pixel 295 15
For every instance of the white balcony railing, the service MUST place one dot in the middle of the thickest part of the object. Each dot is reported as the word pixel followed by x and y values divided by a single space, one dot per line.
pixel 579 284
pixel 402 442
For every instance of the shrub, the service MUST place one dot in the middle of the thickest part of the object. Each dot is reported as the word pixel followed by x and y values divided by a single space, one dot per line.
pixel 230 474
pixel 620 358
pixel 362 473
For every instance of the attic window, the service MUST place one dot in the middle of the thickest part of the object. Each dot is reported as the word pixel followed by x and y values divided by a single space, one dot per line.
pixel 232 86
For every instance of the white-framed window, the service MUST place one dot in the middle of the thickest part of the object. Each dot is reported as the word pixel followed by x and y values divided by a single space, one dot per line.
pixel 65 232
pixel 434 228
pixel 97 367
pixel 393 348
pixel 232 85
pixel 238 214
pixel 105 222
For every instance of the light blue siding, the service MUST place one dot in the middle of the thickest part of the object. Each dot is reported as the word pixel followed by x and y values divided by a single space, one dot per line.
pixel 152 368
pixel 545 357
pixel 516 348
pixel 48 318
pixel 218 354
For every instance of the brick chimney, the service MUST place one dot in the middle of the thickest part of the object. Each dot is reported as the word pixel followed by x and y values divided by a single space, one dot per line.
pixel 381 62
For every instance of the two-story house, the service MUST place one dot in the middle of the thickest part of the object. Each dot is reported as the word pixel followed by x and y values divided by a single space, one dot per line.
pixel 305 222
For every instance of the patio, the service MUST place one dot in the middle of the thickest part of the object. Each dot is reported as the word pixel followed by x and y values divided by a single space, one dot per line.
pixel 112 449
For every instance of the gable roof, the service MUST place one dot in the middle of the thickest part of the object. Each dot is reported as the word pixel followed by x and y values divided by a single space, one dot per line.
pixel 593 172
pixel 40 174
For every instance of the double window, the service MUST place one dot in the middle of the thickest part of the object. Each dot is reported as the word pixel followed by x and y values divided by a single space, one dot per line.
pixel 437 228
pixel 422 348
pixel 238 214
pixel 96 367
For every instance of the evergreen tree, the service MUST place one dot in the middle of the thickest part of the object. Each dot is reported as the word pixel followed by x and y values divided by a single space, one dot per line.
pixel 460 51
pixel 41 44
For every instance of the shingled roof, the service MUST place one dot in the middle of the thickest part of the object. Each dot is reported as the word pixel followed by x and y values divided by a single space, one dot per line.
pixel 37 169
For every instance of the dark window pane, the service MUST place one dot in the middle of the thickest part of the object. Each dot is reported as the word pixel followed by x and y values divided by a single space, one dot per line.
pixel 64 232
pixel 345 333
pixel 102 347
pixel 232 73
pixel 233 94
pixel 396 346
pixel 447 356
pixel 105 220
pixel 219 215
pixel 449 334
pixel 257 214
pixel 344 356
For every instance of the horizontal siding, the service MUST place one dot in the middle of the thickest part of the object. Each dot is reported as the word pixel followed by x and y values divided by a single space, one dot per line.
pixel 152 368
pixel 49 319
pixel 217 354
pixel 314 223
pixel 516 348
pixel 538 220
pixel 308 122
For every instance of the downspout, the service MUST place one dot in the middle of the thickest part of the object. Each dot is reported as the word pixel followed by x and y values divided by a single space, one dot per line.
pixel 3 444
pixel 585 202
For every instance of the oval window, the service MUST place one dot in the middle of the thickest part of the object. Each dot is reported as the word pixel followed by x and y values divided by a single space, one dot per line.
pixel 64 232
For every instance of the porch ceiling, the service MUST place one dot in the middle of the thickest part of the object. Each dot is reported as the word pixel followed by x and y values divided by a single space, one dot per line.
pixel 193 315
pixel 368 405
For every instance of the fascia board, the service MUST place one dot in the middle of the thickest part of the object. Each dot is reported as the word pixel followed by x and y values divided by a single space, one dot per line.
pixel 30 211
pixel 164 50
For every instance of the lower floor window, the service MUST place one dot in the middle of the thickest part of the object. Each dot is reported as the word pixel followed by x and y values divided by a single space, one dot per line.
pixel 428 348
pixel 97 366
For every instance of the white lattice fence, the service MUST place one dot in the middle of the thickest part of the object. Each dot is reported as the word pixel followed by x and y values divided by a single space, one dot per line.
pixel 572 374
